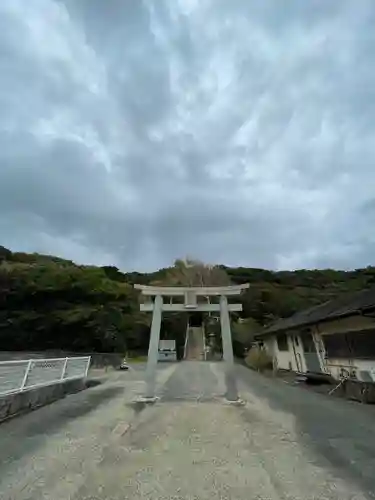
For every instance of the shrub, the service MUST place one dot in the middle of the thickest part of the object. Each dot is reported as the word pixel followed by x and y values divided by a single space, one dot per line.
pixel 258 359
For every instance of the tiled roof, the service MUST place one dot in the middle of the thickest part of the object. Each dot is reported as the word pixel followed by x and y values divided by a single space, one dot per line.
pixel 344 306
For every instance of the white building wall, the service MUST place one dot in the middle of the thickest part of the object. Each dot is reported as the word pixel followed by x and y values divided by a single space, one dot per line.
pixel 269 344
pixel 292 359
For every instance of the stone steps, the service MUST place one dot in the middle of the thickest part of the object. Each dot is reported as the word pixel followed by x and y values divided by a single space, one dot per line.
pixel 195 344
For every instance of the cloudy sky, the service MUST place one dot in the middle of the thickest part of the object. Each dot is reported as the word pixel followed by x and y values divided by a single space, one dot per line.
pixel 242 132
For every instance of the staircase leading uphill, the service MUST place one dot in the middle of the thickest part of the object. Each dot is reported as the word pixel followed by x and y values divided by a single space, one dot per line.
pixel 195 343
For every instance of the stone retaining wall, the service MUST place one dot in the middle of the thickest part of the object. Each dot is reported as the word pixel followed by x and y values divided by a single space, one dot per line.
pixel 359 391
pixel 21 402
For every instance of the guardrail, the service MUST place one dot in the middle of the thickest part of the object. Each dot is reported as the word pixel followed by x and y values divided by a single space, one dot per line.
pixel 21 375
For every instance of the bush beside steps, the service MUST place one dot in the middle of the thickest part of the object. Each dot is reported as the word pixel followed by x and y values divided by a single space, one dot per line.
pixel 258 359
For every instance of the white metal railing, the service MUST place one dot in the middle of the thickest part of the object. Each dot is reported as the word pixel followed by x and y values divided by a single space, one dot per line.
pixel 21 375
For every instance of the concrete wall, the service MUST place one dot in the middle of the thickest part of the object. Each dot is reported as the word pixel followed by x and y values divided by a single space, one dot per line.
pixel 343 367
pixel 363 392
pixel 14 404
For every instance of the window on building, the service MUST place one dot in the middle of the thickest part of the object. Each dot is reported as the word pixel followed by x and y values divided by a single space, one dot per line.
pixel 362 344
pixel 296 340
pixel 282 342
pixel 336 346
pixel 359 345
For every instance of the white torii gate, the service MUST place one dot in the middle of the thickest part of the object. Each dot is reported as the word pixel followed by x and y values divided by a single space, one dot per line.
pixel 190 294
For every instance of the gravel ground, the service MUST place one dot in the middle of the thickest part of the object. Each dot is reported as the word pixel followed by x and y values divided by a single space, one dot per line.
pixel 284 443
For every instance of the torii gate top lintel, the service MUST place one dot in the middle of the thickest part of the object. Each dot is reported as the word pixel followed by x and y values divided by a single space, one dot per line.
pixel 197 290
pixel 190 294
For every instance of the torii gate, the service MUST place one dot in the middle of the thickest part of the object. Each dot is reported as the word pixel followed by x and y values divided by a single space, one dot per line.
pixel 190 303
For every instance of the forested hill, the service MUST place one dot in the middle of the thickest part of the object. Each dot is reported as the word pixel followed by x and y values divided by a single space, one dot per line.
pixel 278 294
pixel 49 302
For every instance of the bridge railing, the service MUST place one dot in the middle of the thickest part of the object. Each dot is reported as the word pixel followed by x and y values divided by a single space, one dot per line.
pixel 21 375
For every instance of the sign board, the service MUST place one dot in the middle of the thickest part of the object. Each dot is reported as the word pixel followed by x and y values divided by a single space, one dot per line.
pixel 167 345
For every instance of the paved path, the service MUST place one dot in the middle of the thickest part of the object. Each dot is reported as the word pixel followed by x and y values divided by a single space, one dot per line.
pixel 285 443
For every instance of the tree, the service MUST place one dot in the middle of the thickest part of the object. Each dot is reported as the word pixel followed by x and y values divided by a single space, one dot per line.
pixel 46 304
pixel 188 272
pixel 5 254
pixel 192 272
pixel 244 330
pixel 243 333
pixel 50 302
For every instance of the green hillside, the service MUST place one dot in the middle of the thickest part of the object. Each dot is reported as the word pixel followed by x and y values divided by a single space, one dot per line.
pixel 51 303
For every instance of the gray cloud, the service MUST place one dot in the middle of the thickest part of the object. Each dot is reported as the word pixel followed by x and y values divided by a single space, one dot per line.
pixel 239 132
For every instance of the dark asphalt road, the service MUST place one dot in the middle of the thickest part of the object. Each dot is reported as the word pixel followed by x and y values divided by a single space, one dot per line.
pixel 339 433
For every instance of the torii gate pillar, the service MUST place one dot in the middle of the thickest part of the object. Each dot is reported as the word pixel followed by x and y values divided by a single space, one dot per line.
pixel 226 336
pixel 190 294
pixel 153 348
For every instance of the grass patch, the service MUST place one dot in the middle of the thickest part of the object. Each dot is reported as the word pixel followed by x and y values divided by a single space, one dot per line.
pixel 137 359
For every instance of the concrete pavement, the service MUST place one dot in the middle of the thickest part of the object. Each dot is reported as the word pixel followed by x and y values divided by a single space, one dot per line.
pixel 285 443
